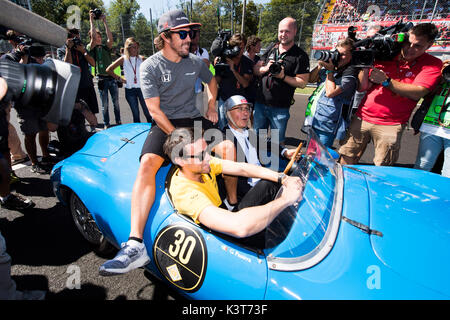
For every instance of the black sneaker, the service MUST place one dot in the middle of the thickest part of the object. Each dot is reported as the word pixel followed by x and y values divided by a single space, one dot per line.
pixel 16 202
pixel 39 169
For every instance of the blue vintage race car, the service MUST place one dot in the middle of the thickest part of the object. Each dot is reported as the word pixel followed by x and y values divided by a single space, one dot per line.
pixel 360 232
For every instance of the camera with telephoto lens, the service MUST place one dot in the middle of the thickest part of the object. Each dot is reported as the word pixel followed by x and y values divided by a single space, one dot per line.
pixel 325 55
pixel 51 87
pixel 97 13
pixel 221 48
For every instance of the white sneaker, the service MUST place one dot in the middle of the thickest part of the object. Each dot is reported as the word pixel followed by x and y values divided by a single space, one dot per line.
pixel 133 255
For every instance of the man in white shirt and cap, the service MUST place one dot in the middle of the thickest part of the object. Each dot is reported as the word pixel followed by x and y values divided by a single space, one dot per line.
pixel 249 148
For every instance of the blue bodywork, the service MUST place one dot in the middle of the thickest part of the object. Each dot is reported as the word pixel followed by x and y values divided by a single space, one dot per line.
pixel 360 232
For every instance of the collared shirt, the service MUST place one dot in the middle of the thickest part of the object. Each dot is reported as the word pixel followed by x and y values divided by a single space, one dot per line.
pixel 191 197
pixel 249 150
pixel 382 106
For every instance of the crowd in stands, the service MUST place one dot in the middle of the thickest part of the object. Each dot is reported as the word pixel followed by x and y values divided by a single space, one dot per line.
pixel 345 11
pixel 247 82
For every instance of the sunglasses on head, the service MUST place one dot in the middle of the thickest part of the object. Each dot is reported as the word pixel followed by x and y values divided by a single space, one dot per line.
pixel 183 33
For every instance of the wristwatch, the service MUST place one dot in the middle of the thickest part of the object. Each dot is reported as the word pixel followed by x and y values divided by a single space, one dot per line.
pixel 281 176
pixel 386 82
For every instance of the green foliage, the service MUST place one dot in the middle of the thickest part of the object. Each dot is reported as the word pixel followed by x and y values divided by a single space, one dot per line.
pixel 125 20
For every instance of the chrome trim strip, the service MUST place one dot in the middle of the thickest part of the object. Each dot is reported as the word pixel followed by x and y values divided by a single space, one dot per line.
pixel 323 249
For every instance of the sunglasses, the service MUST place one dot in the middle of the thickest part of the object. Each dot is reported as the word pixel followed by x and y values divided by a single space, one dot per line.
pixel 200 157
pixel 183 33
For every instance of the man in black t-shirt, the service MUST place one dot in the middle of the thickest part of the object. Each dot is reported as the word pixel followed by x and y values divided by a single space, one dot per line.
pixel 236 79
pixel 275 95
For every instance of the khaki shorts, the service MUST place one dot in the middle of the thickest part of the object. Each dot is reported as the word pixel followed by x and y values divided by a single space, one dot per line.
pixel 386 139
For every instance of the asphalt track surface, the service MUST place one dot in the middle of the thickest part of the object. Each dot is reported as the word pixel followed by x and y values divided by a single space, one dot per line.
pixel 48 253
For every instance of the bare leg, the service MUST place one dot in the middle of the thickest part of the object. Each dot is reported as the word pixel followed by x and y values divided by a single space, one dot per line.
pixel 143 194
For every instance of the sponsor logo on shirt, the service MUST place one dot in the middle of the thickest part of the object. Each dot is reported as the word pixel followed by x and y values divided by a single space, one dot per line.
pixel 189 73
pixel 167 77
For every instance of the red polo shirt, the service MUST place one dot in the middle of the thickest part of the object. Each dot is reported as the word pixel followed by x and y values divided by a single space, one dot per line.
pixel 382 106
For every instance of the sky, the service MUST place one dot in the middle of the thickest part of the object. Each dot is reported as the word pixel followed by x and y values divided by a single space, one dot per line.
pixel 160 6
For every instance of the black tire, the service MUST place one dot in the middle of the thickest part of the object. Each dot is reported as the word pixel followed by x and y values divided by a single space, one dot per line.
pixel 85 223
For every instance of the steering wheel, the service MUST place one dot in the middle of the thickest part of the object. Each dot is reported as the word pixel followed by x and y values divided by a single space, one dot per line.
pixel 291 162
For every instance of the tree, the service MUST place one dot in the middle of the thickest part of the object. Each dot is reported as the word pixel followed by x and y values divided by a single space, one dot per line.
pixel 276 10
pixel 142 31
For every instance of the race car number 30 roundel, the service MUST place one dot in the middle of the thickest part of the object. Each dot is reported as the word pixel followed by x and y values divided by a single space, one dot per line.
pixel 180 254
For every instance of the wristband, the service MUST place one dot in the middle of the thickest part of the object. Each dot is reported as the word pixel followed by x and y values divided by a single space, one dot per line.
pixel 386 82
pixel 329 71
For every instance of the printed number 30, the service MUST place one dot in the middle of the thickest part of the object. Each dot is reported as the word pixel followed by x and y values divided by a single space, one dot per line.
pixel 182 247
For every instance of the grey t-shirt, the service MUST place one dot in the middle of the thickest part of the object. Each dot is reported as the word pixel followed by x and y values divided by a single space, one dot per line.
pixel 173 83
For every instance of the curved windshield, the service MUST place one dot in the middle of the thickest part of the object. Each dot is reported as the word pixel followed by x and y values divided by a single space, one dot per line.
pixel 298 236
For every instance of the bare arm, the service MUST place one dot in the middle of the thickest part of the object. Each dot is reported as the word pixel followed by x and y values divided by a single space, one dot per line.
pixel 314 74
pixel 153 106
pixel 252 220
pixel 406 90
pixel 113 66
pixel 211 90
pixel 92 29
pixel 243 169
pixel 109 36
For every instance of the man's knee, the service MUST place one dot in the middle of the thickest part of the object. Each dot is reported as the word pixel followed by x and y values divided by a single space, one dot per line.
pixel 150 164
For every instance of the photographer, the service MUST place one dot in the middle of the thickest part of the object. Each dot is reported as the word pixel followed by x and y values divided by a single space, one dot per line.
pixel 102 56
pixel 11 202
pixel 74 52
pixel 275 95
pixel 33 125
pixel 432 119
pixel 236 78
pixel 7 199
pixel 340 81
pixel 393 89
pixel 20 46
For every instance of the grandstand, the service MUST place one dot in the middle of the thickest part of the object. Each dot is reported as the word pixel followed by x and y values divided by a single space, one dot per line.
pixel 337 15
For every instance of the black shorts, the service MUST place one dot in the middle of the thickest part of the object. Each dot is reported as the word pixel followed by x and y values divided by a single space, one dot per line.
pixel 156 137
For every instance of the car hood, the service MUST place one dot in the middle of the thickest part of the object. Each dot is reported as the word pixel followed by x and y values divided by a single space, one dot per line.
pixel 107 142
pixel 411 209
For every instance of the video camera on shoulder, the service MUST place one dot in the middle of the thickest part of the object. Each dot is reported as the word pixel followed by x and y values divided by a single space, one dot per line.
pixel 221 48
pixel 50 87
pixel 383 46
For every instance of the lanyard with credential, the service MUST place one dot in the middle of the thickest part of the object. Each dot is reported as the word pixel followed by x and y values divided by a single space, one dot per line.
pixel 134 69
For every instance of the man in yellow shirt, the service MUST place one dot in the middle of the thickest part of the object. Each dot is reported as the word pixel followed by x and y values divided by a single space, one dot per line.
pixel 194 188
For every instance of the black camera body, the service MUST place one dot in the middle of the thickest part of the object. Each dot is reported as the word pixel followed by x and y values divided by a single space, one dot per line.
pixel 326 55
pixel 76 42
pixel 221 48
pixel 97 13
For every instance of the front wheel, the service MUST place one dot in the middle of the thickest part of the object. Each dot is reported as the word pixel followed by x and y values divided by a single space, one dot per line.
pixel 87 226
